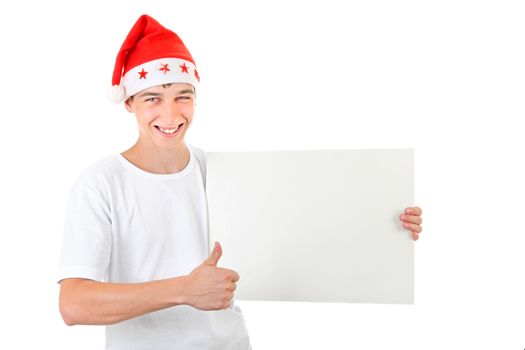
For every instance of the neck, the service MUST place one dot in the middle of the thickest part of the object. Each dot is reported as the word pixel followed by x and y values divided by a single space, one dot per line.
pixel 158 160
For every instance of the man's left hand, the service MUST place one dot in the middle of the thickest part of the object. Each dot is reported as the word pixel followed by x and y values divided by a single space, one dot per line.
pixel 412 220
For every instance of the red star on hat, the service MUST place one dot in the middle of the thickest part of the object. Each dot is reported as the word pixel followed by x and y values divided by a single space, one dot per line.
pixel 164 68
pixel 197 75
pixel 143 74
pixel 184 68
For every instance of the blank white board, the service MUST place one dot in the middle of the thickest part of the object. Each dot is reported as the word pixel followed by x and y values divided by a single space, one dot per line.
pixel 319 225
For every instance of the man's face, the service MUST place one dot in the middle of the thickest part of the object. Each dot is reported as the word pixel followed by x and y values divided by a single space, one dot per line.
pixel 163 113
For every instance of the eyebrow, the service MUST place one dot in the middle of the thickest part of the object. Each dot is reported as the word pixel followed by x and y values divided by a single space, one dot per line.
pixel 186 91
pixel 155 94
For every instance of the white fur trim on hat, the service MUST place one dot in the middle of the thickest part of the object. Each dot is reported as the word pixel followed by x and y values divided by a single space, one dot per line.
pixel 116 93
pixel 158 72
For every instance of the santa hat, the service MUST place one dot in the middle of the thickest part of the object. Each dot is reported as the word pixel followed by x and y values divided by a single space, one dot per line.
pixel 151 55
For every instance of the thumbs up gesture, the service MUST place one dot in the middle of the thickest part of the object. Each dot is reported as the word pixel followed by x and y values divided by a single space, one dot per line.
pixel 209 287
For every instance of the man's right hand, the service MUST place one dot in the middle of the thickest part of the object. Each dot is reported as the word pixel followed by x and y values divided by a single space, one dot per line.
pixel 209 287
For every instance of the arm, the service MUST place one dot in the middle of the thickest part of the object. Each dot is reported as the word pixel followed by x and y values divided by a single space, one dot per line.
pixel 84 301
pixel 207 287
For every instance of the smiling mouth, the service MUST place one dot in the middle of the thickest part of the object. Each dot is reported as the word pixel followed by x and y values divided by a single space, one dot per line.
pixel 168 131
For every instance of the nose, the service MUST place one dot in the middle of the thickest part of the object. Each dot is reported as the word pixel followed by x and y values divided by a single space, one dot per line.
pixel 173 112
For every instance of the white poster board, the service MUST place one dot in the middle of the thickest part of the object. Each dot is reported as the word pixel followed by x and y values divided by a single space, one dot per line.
pixel 314 225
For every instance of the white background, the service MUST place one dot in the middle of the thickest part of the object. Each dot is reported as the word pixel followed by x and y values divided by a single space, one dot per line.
pixel 444 77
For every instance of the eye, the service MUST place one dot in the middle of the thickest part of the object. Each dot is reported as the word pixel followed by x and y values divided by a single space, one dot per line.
pixel 178 98
pixel 152 99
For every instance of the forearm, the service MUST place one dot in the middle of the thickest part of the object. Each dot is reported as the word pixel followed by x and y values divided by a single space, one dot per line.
pixel 97 303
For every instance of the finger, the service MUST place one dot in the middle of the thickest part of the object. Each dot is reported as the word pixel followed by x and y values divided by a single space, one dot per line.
pixel 234 287
pixel 415 235
pixel 413 211
pixel 411 219
pixel 235 276
pixel 215 255
pixel 230 275
pixel 412 227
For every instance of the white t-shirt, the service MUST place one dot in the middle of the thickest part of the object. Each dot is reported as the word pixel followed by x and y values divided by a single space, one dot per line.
pixel 126 225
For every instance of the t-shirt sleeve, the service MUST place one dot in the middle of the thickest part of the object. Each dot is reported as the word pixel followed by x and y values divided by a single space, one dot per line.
pixel 86 246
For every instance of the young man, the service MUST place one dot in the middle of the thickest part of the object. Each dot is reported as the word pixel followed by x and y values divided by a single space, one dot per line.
pixel 135 239
pixel 135 250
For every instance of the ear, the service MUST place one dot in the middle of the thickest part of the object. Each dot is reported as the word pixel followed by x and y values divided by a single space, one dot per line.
pixel 129 105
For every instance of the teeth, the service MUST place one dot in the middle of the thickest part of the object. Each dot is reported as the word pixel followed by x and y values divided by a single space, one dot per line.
pixel 168 131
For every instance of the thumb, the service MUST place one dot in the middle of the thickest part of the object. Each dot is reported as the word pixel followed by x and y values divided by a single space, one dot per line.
pixel 215 255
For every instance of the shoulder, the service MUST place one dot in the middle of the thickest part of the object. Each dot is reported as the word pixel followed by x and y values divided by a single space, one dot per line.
pixel 201 158
pixel 98 175
pixel 200 155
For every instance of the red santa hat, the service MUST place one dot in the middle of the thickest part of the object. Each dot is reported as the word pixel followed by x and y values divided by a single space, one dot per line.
pixel 151 55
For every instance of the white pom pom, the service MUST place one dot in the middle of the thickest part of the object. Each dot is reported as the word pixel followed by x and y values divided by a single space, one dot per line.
pixel 116 93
